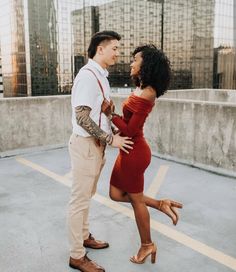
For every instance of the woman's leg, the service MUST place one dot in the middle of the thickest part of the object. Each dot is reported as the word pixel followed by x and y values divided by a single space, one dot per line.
pixel 142 217
pixel 118 195
pixel 165 206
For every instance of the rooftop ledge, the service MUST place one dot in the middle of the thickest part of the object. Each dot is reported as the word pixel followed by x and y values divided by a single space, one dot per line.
pixel 193 126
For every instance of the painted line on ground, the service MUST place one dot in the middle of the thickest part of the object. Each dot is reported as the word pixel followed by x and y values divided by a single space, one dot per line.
pixel 44 171
pixel 157 181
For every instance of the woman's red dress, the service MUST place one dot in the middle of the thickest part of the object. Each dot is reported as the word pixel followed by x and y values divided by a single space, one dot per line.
pixel 128 171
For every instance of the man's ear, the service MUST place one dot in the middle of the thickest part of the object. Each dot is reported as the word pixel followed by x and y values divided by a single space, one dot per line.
pixel 100 50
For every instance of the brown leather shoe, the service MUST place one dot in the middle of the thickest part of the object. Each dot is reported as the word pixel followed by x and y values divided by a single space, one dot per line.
pixel 95 244
pixel 84 264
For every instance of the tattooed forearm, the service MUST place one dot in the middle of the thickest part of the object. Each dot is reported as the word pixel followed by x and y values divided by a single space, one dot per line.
pixel 85 121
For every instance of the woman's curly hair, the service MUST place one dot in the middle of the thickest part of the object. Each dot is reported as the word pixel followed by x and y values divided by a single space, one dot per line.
pixel 155 69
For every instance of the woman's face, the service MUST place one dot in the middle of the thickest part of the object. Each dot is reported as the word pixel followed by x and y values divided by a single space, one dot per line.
pixel 136 64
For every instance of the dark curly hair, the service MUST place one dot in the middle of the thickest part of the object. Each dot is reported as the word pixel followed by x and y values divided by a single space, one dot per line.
pixel 155 69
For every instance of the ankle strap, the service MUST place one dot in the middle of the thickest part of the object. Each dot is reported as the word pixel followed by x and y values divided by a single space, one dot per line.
pixel 146 245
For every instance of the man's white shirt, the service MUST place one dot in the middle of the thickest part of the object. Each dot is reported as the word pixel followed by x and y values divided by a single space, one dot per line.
pixel 87 92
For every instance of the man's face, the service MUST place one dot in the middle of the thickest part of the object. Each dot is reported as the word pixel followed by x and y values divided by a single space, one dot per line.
pixel 109 52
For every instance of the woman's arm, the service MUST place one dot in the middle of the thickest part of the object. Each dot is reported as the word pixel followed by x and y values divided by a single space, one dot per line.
pixel 130 129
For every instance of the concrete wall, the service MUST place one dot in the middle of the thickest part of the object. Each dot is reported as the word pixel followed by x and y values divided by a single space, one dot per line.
pixel 33 122
pixel 204 95
pixel 200 133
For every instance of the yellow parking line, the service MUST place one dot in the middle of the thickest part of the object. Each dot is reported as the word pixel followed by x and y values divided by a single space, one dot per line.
pixel 44 171
pixel 68 175
pixel 200 247
pixel 158 180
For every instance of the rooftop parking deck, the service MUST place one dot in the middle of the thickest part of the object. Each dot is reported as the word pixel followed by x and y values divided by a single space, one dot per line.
pixel 34 192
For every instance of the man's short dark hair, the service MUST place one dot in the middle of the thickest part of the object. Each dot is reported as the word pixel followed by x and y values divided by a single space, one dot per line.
pixel 100 37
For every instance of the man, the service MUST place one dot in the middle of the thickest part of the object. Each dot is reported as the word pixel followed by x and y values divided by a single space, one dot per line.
pixel 91 133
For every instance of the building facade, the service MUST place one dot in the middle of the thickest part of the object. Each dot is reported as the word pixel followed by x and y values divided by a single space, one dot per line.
pixel 13 53
pixel 44 43
pixel 84 25
pixel 138 22
pixel 42 34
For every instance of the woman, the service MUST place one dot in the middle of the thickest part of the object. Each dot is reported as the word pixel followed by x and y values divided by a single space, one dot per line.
pixel 150 71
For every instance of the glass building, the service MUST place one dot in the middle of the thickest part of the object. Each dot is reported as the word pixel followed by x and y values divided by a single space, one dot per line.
pixel 44 43
pixel 28 47
pixel 42 35
pixel 84 25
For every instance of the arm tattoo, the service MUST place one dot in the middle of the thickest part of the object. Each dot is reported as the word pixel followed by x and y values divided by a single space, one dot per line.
pixel 84 120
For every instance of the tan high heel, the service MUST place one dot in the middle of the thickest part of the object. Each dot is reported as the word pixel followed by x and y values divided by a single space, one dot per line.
pixel 149 249
pixel 168 207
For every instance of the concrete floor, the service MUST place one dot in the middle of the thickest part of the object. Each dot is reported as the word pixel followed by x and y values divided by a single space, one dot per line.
pixel 34 192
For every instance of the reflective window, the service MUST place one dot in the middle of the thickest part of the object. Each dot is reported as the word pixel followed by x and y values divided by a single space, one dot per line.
pixel 44 43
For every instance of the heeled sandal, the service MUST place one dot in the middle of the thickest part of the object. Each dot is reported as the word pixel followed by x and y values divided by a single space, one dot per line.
pixel 168 206
pixel 152 251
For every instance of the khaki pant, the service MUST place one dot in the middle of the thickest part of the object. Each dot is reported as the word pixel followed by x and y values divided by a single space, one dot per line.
pixel 87 161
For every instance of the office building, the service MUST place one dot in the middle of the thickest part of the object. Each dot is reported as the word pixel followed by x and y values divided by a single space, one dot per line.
pixel 44 44
pixel 28 47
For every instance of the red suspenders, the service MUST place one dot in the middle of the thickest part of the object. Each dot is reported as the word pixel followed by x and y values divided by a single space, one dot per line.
pixel 100 85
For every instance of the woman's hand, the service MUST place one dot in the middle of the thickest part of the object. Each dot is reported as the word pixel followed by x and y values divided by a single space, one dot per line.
pixel 112 107
pixel 108 108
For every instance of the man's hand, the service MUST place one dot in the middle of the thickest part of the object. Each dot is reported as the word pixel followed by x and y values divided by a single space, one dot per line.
pixel 123 143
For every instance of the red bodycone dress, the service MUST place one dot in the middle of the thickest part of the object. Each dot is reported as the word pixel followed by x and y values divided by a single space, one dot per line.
pixel 128 171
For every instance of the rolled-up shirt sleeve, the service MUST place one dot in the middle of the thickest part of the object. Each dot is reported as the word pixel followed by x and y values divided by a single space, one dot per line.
pixel 85 90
